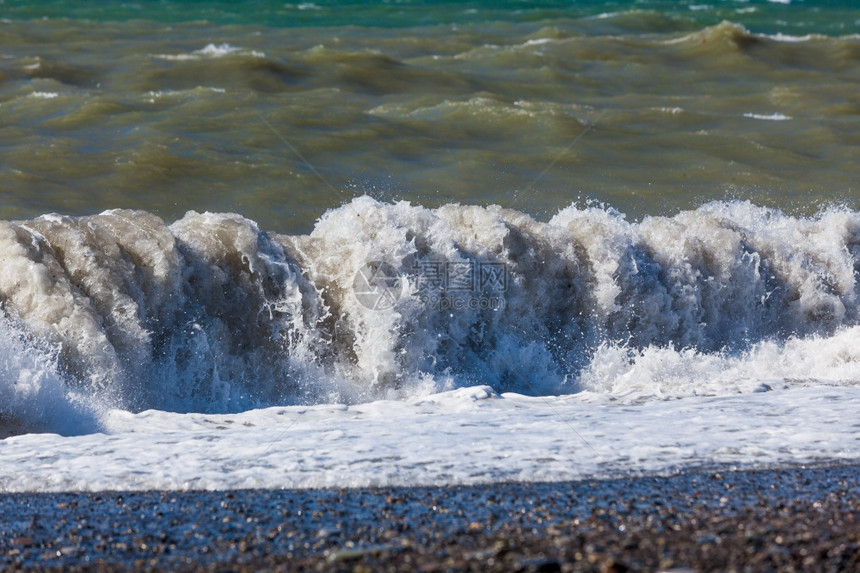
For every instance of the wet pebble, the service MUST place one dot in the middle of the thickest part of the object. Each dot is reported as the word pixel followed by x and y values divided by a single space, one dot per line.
pixel 786 519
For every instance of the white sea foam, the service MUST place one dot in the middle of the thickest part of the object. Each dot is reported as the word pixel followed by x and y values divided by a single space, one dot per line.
pixel 795 39
pixel 768 116
pixel 471 435
pixel 538 41
pixel 211 51
pixel 660 373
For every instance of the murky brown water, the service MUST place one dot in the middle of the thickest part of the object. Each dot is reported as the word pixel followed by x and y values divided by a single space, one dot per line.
pixel 282 124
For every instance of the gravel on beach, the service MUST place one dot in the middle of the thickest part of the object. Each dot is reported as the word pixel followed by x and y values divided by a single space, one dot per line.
pixel 788 519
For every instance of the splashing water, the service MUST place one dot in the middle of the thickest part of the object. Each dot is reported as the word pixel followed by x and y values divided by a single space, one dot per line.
pixel 211 314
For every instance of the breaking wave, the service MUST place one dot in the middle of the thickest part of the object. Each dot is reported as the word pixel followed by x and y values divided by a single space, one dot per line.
pixel 213 314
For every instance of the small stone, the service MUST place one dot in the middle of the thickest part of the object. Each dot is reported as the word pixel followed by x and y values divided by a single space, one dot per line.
pixel 615 567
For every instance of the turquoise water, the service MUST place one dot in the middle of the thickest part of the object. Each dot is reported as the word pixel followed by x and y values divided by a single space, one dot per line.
pixel 832 17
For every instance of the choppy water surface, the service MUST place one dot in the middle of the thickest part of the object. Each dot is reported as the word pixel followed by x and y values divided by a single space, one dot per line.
pixel 649 111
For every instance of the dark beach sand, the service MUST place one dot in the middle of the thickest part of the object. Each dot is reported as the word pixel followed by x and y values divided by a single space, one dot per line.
pixel 790 519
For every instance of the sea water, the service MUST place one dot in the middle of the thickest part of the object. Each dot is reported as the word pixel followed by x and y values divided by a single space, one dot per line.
pixel 339 244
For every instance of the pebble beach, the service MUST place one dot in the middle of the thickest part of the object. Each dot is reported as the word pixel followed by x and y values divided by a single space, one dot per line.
pixel 716 519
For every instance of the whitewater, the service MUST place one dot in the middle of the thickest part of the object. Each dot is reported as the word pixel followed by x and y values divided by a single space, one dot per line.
pixel 402 345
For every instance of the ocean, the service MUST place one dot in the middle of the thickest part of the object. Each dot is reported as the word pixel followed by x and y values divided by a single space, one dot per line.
pixel 348 243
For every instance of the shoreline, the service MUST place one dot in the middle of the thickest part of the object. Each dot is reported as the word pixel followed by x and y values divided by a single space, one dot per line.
pixel 792 518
